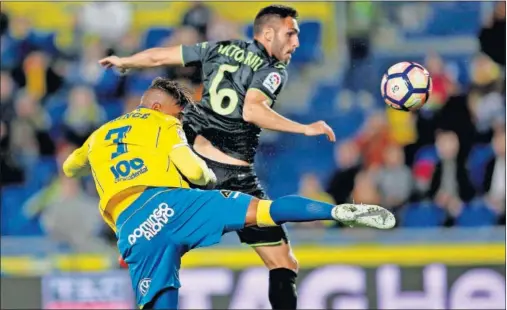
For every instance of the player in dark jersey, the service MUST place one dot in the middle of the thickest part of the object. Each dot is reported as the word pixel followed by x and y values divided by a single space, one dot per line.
pixel 241 83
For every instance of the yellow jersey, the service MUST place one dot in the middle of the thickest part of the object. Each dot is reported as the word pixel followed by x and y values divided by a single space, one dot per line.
pixel 136 150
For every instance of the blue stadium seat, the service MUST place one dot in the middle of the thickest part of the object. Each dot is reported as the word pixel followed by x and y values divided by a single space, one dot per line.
pixel 476 214
pixel 428 152
pixel 153 37
pixel 138 82
pixel 107 84
pixel 41 174
pixel 113 108
pixel 476 164
pixel 249 32
pixel 423 214
pixel 310 40
pixel 450 18
pixel 12 199
pixel 44 41
pixel 13 221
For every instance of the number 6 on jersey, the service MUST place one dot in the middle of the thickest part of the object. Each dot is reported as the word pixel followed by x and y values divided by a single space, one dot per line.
pixel 217 97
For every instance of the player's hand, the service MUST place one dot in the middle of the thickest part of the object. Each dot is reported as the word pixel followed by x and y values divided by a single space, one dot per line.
pixel 320 128
pixel 213 180
pixel 114 62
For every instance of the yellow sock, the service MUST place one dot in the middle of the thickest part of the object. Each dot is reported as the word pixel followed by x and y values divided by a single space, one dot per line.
pixel 263 217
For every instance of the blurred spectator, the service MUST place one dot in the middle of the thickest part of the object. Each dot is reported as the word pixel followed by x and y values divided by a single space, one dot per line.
pixel 83 113
pixel 14 45
pixel 86 70
pixel 492 35
pixel 11 173
pixel 347 158
pixel 221 29
pixel 310 187
pixel 394 179
pixel 494 179
pixel 68 215
pixel 187 36
pixel 442 83
pixel 365 190
pixel 107 20
pixel 7 88
pixel 4 23
pixel 198 17
pixel 450 186
pixel 38 76
pixel 131 102
pixel 360 20
pixel 373 138
pixel 128 44
pixel 29 131
pixel 486 103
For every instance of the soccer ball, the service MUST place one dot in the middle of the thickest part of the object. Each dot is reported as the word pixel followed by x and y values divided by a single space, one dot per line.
pixel 406 86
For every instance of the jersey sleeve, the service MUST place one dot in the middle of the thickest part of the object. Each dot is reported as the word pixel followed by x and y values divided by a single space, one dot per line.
pixel 188 163
pixel 270 81
pixel 176 137
pixel 77 163
pixel 195 54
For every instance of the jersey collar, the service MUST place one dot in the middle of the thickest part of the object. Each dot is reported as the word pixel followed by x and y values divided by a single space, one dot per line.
pixel 261 48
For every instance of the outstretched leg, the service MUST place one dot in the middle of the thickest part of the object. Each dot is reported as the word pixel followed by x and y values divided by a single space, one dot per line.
pixel 265 213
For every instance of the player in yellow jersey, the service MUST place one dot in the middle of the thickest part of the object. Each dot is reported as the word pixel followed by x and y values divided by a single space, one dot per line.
pixel 143 168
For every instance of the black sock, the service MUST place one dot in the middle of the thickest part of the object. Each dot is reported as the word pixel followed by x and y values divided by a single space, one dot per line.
pixel 282 289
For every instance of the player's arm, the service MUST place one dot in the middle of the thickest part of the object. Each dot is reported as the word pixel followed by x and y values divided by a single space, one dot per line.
pixel 264 89
pixel 188 163
pixel 77 164
pixel 182 55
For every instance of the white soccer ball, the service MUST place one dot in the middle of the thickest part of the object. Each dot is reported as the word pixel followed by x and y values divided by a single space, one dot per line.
pixel 406 86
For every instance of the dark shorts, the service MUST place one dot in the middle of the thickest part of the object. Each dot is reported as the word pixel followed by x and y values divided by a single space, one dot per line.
pixel 243 179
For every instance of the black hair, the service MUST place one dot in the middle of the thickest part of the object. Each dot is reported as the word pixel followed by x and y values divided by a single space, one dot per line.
pixel 275 10
pixel 174 89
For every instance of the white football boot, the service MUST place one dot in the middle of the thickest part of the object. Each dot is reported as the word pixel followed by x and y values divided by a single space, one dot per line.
pixel 359 215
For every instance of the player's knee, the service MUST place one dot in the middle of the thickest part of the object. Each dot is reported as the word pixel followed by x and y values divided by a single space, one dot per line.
pixel 258 213
pixel 275 257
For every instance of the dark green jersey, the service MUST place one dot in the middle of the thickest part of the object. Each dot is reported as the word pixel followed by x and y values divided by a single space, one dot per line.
pixel 229 69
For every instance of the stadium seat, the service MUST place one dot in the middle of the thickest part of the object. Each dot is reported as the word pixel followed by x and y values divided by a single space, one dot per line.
pixel 107 84
pixel 44 41
pixel 113 108
pixel 428 152
pixel 11 199
pixel 476 214
pixel 423 214
pixel 153 37
pixel 310 40
pixel 13 221
pixel 42 173
pixel 476 164
pixel 137 83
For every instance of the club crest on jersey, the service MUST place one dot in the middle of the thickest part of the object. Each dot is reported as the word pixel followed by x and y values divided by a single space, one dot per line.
pixel 144 286
pixel 225 193
pixel 272 82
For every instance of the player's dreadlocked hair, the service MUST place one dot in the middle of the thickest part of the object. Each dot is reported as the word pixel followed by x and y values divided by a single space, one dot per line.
pixel 275 10
pixel 173 88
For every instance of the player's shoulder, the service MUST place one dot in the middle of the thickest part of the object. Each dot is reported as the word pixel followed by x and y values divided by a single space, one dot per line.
pixel 278 66
pixel 220 45
pixel 171 121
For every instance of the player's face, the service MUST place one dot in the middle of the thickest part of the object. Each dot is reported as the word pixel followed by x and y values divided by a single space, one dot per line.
pixel 286 39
